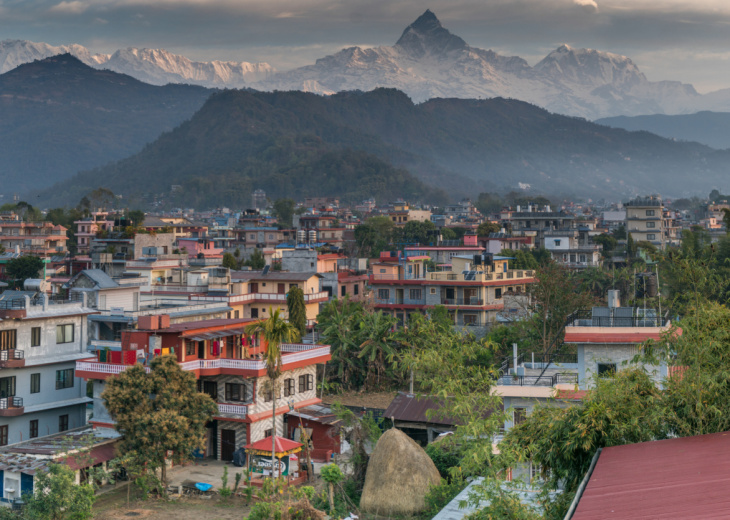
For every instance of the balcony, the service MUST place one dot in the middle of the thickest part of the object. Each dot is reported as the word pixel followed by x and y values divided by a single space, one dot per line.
pixel 480 276
pixel 569 378
pixel 293 356
pixel 11 406
pixel 463 301
pixel 232 409
pixel 12 358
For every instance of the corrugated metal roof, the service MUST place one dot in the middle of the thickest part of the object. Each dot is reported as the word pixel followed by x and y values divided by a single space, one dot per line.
pixel 412 408
pixel 670 479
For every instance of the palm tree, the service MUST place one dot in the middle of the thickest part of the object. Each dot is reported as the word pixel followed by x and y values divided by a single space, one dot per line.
pixel 377 347
pixel 275 330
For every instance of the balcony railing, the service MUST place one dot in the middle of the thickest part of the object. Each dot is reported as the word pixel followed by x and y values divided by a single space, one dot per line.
pixel 11 402
pixel 639 319
pixel 12 355
pixel 300 354
pixel 233 409
pixel 544 380
pixel 462 301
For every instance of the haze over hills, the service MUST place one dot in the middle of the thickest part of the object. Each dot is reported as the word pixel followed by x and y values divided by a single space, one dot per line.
pixel 710 128
pixel 153 66
pixel 298 144
pixel 426 62
pixel 59 116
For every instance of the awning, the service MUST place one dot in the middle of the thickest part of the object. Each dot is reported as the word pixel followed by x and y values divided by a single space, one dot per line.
pixel 283 447
pixel 205 336
pixel 99 454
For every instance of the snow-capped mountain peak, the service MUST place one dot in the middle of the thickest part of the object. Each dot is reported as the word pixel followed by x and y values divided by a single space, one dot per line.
pixel 426 36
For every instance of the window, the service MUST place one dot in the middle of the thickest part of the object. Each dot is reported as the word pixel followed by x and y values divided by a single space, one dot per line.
pixel 651 224
pixel 211 388
pixel 433 290
pixel 383 294
pixel 343 290
pixel 651 236
pixel 382 271
pixel 7 339
pixel 518 416
pixel 65 333
pixel 649 212
pixel 34 428
pixel 7 387
pixel 289 389
pixel 497 293
pixel 62 423
pixel 35 337
pixel 189 348
pixel 4 435
pixel 35 383
pixel 557 242
pixel 306 382
pixel 64 378
pixel 355 289
pixel 268 433
pixel 606 369
pixel 235 392
pixel 415 294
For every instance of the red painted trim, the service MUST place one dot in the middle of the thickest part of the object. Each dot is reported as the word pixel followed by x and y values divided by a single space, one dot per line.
pixel 97 424
pixel 618 338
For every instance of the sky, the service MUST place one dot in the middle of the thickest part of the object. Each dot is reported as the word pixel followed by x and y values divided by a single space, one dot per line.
pixel 682 40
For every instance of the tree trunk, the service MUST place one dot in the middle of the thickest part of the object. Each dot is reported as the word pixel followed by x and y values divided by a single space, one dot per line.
pixel 273 429
pixel 332 498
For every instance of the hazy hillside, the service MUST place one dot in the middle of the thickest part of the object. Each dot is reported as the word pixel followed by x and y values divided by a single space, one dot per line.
pixel 291 142
pixel 710 128
pixel 59 116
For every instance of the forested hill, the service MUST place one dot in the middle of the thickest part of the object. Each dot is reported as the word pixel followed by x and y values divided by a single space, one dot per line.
pixel 59 116
pixel 299 144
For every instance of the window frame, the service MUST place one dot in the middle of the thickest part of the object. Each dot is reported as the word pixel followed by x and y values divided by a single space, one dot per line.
pixel 35 383
pixel 33 429
pixel 289 387
pixel 62 333
pixel 8 339
pixel 64 380
pixel 306 383
pixel 63 423
pixel 36 335
pixel 11 384
pixel 4 434
pixel 383 294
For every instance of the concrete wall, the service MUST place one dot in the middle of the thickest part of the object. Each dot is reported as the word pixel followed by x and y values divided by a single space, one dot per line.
pixel 590 355
pixel 19 427
pixel 299 261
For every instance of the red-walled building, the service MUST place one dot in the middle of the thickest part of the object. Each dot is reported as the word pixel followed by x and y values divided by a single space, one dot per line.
pixel 228 365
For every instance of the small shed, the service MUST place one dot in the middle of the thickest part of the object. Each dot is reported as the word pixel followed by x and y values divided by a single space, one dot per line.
pixel 259 456
pixel 419 417
pixel 320 424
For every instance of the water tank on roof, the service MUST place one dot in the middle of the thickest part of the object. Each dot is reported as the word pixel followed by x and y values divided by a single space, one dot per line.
pixel 301 236
pixel 312 236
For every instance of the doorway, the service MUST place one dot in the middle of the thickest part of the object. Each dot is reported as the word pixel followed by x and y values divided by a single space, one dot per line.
pixel 228 444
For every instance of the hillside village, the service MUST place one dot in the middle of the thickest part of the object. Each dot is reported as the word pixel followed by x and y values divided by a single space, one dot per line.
pixel 525 343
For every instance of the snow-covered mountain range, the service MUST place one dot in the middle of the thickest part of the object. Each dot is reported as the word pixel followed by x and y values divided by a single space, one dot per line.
pixel 154 66
pixel 426 62
pixel 429 61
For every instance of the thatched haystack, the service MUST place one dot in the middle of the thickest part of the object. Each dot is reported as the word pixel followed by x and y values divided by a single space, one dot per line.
pixel 398 477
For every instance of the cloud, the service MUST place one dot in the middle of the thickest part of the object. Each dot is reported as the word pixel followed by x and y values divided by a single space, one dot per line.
pixel 587 3
pixel 73 7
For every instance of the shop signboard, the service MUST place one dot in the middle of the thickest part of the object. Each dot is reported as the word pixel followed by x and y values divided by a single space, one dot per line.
pixel 261 463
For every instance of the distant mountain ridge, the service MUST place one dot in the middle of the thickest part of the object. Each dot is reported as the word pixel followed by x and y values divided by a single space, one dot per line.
pixel 295 144
pixel 426 62
pixel 709 128
pixel 59 116
pixel 153 66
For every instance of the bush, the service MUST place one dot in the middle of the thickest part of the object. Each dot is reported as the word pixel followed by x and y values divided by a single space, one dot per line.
pixel 444 457
pixel 438 496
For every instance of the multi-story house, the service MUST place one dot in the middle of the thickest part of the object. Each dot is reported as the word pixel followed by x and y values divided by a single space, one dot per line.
pixel 41 239
pixel 228 365
pixel 573 248
pixel 87 229
pixel 475 290
pixel 536 222
pixel 40 341
pixel 645 220
pixel 340 276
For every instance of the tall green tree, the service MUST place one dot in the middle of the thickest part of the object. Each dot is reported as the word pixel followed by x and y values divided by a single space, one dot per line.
pixel 159 412
pixel 488 227
pixel 623 409
pixel 284 211
pixel 275 331
pixel 229 261
pixel 256 260
pixel 297 309
pixel 136 216
pixel 24 267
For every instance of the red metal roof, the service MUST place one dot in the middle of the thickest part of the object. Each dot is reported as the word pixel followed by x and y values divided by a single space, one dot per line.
pixel 671 479
pixel 577 395
pixel 103 453
pixel 622 338
pixel 282 445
